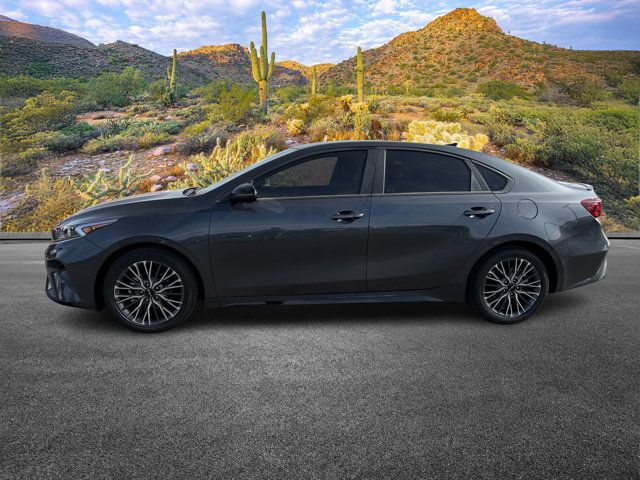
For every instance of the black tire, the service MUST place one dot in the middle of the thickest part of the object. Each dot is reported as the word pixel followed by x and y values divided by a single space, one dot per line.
pixel 170 300
pixel 481 278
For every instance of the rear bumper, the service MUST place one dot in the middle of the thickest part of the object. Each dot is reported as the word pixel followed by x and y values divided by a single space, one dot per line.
pixel 600 274
pixel 585 260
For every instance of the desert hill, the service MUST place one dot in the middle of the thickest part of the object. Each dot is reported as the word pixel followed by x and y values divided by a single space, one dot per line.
pixel 305 70
pixel 232 62
pixel 463 48
pixel 13 28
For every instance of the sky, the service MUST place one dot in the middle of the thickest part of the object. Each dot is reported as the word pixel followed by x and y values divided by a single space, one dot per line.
pixel 324 31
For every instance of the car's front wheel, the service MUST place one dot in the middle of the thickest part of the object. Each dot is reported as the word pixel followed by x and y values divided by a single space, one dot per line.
pixel 508 286
pixel 150 290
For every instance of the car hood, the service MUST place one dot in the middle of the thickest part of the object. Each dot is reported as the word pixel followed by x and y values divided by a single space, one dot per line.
pixel 113 206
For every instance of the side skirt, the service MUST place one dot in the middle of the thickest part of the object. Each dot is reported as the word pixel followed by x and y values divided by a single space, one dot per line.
pixel 448 293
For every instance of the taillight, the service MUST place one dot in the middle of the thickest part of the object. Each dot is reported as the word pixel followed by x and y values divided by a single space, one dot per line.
pixel 593 206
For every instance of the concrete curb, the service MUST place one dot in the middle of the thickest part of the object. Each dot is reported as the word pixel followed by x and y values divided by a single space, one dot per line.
pixel 15 236
pixel 40 236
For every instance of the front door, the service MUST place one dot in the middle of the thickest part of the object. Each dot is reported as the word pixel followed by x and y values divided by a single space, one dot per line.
pixel 306 233
pixel 423 227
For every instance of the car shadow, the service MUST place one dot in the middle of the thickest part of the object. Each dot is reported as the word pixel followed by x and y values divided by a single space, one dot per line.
pixel 278 315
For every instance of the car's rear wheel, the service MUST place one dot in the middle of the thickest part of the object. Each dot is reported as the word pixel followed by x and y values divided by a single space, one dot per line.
pixel 150 290
pixel 508 286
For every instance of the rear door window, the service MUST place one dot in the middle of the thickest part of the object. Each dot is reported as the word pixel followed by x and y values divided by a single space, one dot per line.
pixel 408 171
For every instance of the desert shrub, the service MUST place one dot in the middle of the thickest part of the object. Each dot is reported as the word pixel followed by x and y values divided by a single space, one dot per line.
pixel 324 127
pixel 123 134
pixel 41 113
pixel 581 90
pixel 440 133
pixel 614 118
pixel 69 138
pixel 571 146
pixel 157 91
pixel 629 90
pixel 522 150
pixel 501 90
pixel 212 91
pixel 446 114
pixel 291 93
pixel 295 127
pixel 234 105
pixel 260 135
pixel 107 185
pixel 115 89
pixel 46 202
pixel 203 136
pixel 46 112
pixel 204 170
pixel 24 86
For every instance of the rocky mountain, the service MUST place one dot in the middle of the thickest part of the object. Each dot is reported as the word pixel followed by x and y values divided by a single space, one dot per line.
pixel 459 49
pixel 32 57
pixel 48 52
pixel 13 28
pixel 304 69
pixel 233 62
pixel 463 48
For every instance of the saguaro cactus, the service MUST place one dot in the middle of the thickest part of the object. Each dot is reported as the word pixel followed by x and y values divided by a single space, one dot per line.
pixel 314 78
pixel 360 76
pixel 261 68
pixel 172 79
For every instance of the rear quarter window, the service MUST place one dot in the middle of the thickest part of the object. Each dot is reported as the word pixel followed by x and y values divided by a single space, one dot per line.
pixel 495 181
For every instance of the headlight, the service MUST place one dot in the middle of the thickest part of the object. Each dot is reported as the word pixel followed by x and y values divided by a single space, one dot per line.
pixel 67 232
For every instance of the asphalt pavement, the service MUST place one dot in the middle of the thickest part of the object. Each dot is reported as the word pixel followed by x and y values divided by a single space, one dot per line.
pixel 331 391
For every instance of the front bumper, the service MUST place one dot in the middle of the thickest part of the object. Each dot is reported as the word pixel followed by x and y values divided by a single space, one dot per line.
pixel 72 267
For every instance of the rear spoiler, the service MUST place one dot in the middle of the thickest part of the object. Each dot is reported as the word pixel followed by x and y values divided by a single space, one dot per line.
pixel 578 186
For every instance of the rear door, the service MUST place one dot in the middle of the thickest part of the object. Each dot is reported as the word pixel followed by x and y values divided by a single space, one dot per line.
pixel 429 213
pixel 306 233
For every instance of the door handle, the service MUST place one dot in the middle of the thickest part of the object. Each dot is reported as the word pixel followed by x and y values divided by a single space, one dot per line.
pixel 345 216
pixel 478 212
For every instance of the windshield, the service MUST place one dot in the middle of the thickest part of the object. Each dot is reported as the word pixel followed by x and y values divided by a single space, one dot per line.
pixel 245 170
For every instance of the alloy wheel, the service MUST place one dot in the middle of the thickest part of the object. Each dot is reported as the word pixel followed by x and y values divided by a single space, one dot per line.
pixel 148 292
pixel 511 287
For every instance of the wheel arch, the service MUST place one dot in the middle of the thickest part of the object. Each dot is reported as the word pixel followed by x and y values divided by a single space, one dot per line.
pixel 543 251
pixel 115 254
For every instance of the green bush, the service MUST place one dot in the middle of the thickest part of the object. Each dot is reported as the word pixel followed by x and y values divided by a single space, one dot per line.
pixel 446 114
pixel 500 90
pixel 629 90
pixel 24 86
pixel 574 147
pixel 156 91
pixel 269 137
pixel 69 138
pixel 234 105
pixel 582 90
pixel 291 93
pixel 212 91
pixel 42 113
pixel 523 150
pixel 115 89
pixel 122 134
pixel 614 118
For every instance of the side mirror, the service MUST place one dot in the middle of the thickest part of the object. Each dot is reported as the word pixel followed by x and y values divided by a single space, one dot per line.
pixel 244 193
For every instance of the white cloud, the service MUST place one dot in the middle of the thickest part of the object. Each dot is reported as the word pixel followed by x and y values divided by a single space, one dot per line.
pixel 384 7
pixel 15 14
pixel 314 30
